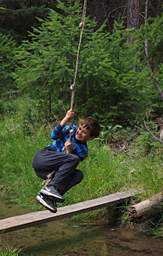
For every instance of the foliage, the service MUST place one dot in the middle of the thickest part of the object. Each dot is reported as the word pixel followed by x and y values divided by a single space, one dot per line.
pixel 111 66
pixel 105 172
pixel 152 31
pixel 7 65
pixel 20 150
pixel 18 22
pixel 147 145
pixel 117 76
pixel 26 115
pixel 113 84
pixel 46 72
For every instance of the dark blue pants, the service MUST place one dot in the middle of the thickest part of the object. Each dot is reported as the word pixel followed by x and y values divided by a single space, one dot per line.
pixel 63 165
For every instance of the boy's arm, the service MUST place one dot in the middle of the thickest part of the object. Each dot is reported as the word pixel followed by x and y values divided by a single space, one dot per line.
pixel 80 150
pixel 68 147
pixel 68 117
pixel 57 132
pixel 73 148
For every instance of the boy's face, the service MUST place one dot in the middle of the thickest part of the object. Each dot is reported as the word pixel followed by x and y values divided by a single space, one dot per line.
pixel 82 133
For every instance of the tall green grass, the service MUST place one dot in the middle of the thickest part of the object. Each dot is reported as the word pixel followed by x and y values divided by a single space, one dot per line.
pixel 105 172
pixel 9 252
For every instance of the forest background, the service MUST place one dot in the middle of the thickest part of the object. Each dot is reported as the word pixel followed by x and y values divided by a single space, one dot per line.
pixel 120 82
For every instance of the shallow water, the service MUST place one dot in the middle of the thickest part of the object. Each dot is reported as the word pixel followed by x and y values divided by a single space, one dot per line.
pixel 67 237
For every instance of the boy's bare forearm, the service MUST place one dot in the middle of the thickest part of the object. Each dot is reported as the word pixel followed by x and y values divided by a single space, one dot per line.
pixel 63 121
pixel 69 115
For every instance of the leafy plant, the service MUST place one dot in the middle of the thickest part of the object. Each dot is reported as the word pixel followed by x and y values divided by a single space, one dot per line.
pixel 113 81
pixel 7 66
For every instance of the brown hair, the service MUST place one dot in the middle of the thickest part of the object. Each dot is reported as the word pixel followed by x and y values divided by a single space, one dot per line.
pixel 92 125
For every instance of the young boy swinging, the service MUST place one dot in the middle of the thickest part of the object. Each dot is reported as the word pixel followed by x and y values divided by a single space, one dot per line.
pixel 59 160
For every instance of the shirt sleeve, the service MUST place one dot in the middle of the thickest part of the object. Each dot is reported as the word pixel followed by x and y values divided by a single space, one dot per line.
pixel 59 131
pixel 80 150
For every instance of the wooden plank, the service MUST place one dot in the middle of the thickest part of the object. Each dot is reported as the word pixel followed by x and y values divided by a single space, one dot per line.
pixel 30 219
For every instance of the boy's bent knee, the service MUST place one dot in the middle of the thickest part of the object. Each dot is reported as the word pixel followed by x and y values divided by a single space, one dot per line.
pixel 38 162
pixel 75 159
pixel 41 174
pixel 35 164
pixel 80 175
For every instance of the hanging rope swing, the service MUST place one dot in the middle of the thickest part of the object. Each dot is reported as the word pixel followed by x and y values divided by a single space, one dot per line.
pixel 81 26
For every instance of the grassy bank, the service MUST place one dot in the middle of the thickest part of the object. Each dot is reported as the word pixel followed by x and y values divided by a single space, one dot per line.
pixel 105 171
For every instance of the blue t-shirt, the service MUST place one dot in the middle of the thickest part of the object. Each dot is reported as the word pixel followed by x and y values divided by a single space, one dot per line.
pixel 61 134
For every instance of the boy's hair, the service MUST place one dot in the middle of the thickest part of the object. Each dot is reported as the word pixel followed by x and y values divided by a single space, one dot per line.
pixel 92 125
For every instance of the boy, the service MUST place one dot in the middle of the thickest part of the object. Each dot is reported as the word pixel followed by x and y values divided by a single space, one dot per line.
pixel 60 159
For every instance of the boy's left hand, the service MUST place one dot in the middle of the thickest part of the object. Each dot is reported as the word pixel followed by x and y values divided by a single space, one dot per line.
pixel 68 147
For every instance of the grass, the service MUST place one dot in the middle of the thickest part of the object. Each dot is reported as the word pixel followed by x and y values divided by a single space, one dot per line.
pixel 105 172
pixel 9 252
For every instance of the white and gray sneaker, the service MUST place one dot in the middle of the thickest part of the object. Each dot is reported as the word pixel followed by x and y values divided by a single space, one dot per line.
pixel 51 191
pixel 47 202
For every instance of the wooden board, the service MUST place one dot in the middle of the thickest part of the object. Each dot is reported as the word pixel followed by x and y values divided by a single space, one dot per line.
pixel 30 219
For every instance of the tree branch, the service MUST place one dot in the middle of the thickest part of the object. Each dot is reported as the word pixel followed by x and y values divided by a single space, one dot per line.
pixel 152 135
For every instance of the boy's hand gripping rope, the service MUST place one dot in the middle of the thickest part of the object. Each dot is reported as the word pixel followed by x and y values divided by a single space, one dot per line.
pixel 81 25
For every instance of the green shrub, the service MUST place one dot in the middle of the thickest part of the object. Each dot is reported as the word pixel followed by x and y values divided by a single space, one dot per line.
pixel 7 66
pixel 113 81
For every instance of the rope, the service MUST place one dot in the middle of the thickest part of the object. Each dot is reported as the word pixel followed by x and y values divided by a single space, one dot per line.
pixel 81 25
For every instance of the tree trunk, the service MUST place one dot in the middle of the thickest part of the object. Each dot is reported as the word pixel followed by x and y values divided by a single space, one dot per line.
pixel 133 14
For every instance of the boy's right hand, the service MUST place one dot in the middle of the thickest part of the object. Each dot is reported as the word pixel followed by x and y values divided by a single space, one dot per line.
pixel 69 115
pixel 68 147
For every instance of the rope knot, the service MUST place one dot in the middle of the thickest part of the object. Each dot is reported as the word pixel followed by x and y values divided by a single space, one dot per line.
pixel 81 24
pixel 72 86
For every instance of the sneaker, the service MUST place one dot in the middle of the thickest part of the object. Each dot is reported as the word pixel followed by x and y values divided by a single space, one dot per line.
pixel 51 191
pixel 47 202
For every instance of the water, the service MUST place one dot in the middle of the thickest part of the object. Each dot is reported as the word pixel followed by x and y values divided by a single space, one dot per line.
pixel 69 238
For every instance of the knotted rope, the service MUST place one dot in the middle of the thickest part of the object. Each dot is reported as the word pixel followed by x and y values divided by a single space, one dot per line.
pixel 81 25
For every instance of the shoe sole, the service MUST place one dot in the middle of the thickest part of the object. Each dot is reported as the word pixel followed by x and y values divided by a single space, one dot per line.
pixel 42 202
pixel 45 192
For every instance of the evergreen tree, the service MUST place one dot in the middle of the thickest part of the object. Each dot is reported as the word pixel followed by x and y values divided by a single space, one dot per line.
pixel 107 84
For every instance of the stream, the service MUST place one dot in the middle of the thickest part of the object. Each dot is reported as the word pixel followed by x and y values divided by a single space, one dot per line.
pixel 70 237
